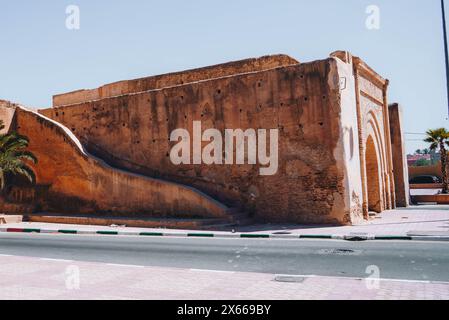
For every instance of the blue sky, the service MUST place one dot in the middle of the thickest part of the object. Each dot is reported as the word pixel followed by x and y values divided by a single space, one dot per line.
pixel 120 40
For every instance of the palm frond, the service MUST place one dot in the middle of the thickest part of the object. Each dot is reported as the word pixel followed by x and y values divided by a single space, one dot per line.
pixel 433 146
pixel 14 157
pixel 25 171
pixel 436 137
pixel 26 155
pixel 13 141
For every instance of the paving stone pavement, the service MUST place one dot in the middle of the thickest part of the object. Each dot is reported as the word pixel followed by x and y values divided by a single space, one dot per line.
pixel 46 279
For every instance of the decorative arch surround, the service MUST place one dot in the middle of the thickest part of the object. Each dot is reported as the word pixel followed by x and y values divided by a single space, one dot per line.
pixel 374 136
pixel 374 177
pixel 376 195
pixel 373 129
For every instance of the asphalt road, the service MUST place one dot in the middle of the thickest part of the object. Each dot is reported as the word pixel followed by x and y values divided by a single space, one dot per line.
pixel 410 260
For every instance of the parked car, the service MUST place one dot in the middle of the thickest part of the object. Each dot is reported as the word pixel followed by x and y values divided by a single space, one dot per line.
pixel 425 179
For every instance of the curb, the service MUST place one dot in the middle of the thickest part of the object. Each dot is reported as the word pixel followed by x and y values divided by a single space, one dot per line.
pixel 226 235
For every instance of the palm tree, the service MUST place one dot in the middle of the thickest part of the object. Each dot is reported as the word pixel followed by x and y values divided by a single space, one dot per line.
pixel 14 157
pixel 438 139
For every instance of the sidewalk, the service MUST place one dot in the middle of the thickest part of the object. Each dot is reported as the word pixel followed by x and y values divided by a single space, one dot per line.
pixel 429 222
pixel 42 279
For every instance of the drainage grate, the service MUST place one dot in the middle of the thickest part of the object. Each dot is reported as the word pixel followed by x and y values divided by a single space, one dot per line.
pixel 282 232
pixel 340 252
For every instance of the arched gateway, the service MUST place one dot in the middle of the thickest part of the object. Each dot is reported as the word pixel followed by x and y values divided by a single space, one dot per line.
pixel 373 177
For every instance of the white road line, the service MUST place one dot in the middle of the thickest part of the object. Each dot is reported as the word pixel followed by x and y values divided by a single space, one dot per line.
pixel 57 260
pixel 206 270
pixel 124 265
pixel 358 279
pixel 5 255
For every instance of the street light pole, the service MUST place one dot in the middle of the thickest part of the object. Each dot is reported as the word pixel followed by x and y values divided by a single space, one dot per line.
pixel 446 55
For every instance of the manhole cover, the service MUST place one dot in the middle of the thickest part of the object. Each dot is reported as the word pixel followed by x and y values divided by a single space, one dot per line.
pixel 296 279
pixel 340 252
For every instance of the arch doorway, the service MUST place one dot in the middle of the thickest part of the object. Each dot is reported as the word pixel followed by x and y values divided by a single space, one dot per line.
pixel 372 177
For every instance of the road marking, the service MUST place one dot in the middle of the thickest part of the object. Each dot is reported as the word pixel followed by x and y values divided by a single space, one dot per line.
pixel 128 233
pixel 358 279
pixel 285 236
pixel 124 265
pixel 215 271
pixel 86 232
pixel 46 231
pixel 227 236
pixel 175 234
pixel 57 260
pixel 250 237
pixel 5 255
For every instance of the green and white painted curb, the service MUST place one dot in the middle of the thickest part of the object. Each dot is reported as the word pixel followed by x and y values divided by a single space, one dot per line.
pixel 350 237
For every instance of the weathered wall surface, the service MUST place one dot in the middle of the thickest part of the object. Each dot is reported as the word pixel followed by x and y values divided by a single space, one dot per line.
pixel 173 79
pixel 6 115
pixel 70 180
pixel 303 101
pixel 348 153
pixel 375 155
pixel 399 159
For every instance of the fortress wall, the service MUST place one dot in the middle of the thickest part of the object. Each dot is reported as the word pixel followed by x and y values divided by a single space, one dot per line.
pixel 6 115
pixel 302 101
pixel 401 180
pixel 79 183
pixel 173 79
pixel 347 151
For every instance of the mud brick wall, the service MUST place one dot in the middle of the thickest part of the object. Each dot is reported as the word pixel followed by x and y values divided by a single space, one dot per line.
pixel 132 132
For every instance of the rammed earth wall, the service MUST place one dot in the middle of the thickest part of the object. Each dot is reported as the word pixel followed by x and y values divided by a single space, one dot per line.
pixel 72 181
pixel 302 100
